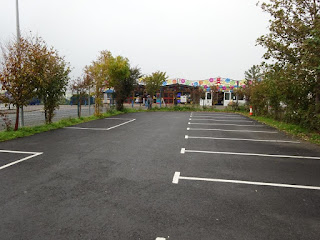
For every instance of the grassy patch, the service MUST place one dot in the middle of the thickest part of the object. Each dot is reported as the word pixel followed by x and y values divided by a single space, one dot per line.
pixel 28 131
pixel 289 128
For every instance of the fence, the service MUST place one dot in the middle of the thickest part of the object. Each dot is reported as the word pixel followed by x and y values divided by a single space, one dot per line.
pixel 34 115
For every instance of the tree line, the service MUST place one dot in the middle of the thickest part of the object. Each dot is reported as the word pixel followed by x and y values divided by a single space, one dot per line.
pixel 287 85
pixel 29 68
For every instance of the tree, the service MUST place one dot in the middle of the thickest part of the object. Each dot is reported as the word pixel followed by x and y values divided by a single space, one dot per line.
pixel 253 74
pixel 81 85
pixel 196 94
pixel 53 82
pixel 98 72
pixel 294 44
pixel 121 78
pixel 294 40
pixel 19 74
pixel 154 81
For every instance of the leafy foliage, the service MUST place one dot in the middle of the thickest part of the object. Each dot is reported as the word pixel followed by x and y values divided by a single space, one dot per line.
pixel 119 78
pixel 97 72
pixel 81 86
pixel 291 87
pixel 53 82
pixel 154 81
pixel 19 71
pixel 109 71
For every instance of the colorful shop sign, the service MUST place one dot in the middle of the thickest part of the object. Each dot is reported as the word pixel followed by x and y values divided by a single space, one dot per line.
pixel 222 84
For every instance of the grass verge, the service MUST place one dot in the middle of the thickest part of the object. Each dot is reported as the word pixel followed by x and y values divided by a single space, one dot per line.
pixel 292 129
pixel 28 131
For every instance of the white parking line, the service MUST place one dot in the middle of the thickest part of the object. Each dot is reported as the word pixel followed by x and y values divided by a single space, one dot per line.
pixel 240 139
pixel 225 124
pixel 93 129
pixel 122 124
pixel 160 238
pixel 226 130
pixel 33 154
pixel 177 177
pixel 217 120
pixel 217 114
pixel 183 151
pixel 118 118
pixel 101 129
pixel 222 116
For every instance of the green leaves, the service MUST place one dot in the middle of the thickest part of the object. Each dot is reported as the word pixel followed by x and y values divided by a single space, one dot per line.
pixel 115 72
pixel 292 84
pixel 154 81
pixel 31 69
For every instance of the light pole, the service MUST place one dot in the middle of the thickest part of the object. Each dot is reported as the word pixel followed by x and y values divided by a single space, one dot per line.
pixel 18 41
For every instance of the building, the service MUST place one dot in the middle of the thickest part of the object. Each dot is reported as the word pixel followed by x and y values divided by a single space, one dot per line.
pixel 218 91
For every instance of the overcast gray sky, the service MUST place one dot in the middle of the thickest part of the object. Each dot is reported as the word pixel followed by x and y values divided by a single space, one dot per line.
pixel 191 39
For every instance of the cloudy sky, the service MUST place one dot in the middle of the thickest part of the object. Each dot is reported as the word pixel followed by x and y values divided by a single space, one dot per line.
pixel 192 39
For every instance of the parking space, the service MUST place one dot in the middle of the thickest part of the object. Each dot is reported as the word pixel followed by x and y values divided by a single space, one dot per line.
pixel 240 154
pixel 9 158
pixel 102 124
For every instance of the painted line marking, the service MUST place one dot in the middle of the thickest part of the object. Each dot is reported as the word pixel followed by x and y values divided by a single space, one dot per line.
pixel 101 129
pixel 93 129
pixel 220 116
pixel 33 154
pixel 250 154
pixel 118 118
pixel 226 130
pixel 241 139
pixel 122 124
pixel 216 120
pixel 177 177
pixel 182 150
pixel 225 124
pixel 160 238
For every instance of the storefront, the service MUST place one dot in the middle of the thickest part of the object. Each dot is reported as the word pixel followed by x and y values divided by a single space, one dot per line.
pixel 213 91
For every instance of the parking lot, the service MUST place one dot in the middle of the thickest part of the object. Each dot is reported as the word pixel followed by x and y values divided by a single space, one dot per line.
pixel 160 175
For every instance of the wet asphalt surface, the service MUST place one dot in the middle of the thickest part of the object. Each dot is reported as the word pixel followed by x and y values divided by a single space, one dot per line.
pixel 117 183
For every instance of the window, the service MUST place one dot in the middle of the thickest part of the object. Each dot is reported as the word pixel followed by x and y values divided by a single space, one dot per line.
pixel 234 96
pixel 227 96
pixel 208 95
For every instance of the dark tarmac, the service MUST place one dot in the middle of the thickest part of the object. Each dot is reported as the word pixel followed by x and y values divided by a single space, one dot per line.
pixel 116 181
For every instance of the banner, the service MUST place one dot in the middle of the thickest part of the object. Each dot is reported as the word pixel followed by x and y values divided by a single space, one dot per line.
pixel 222 84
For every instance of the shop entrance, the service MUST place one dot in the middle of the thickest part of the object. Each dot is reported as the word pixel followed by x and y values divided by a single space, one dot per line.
pixel 220 96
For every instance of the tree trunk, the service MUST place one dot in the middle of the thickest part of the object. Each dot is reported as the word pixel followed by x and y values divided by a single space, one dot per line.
pixel 50 115
pixel 16 126
pixel 120 104
pixel 46 115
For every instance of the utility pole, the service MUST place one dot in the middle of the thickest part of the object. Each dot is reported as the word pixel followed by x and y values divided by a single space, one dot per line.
pixel 18 41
